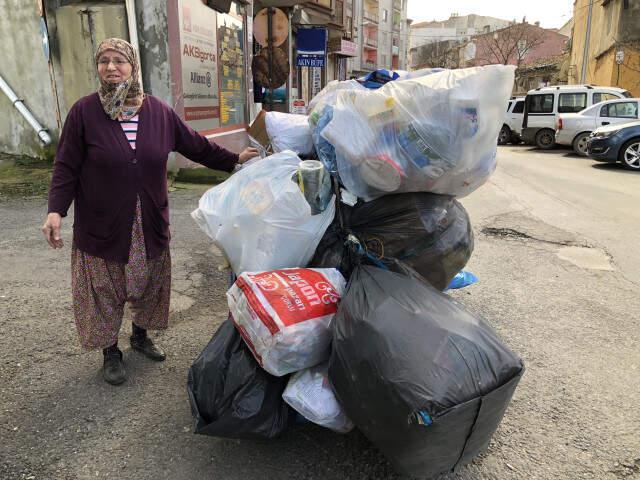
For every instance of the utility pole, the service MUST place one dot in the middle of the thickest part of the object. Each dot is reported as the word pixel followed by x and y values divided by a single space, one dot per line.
pixel 585 55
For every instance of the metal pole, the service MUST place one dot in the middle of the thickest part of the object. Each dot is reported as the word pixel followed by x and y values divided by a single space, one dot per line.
pixel 585 55
pixel 45 138
pixel 270 51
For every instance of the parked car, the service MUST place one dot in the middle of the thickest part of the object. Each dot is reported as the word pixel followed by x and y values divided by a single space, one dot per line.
pixel 574 128
pixel 542 106
pixel 616 143
pixel 512 127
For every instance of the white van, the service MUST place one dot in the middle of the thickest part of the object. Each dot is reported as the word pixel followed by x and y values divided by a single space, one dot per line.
pixel 542 106
pixel 510 131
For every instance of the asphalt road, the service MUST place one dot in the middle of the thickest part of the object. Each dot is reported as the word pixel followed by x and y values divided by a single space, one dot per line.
pixel 555 238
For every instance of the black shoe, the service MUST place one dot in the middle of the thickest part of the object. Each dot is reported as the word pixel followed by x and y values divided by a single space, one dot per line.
pixel 113 370
pixel 145 346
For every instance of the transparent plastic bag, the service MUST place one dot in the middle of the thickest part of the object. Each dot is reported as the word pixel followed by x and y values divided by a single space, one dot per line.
pixel 433 132
pixel 284 315
pixel 328 96
pixel 309 393
pixel 260 219
pixel 288 131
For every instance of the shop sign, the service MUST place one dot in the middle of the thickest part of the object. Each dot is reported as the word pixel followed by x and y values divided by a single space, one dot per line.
pixel 311 47
pixel 199 62
pixel 346 48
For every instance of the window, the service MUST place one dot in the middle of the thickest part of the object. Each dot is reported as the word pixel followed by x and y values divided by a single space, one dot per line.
pixel 572 102
pixel 620 110
pixel 602 97
pixel 519 108
pixel 385 15
pixel 541 103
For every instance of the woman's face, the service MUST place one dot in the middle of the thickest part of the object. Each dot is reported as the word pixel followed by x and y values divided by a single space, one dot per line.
pixel 113 67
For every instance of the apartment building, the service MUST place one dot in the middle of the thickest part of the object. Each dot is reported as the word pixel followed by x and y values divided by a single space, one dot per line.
pixel 381 32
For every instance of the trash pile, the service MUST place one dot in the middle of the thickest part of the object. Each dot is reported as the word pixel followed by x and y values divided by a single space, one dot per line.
pixel 340 261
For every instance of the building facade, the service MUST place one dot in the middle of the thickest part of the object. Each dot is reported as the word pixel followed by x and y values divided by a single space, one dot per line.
pixel 196 55
pixel 605 45
pixel 518 44
pixel 381 34
pixel 456 29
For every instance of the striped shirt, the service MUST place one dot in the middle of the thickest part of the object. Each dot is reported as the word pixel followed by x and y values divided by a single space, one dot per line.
pixel 130 128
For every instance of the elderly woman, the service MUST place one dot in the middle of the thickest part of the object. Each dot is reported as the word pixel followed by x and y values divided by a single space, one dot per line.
pixel 112 163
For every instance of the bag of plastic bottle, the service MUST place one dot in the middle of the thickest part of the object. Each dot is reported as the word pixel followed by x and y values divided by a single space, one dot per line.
pixel 328 96
pixel 259 217
pixel 230 395
pixel 288 131
pixel 430 233
pixel 424 379
pixel 284 315
pixel 435 132
pixel 309 393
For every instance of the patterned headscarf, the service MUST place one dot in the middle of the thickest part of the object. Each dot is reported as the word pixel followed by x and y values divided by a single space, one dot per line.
pixel 121 99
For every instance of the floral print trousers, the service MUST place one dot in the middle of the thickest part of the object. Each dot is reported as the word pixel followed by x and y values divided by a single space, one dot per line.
pixel 101 288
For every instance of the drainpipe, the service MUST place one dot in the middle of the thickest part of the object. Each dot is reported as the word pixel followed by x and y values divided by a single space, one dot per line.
pixel 132 23
pixel 585 54
pixel 45 138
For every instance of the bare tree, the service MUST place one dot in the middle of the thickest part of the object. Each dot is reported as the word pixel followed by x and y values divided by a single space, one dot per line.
pixel 509 45
pixel 443 54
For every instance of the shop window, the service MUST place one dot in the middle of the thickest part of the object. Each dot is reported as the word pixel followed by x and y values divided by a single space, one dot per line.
pixel 231 67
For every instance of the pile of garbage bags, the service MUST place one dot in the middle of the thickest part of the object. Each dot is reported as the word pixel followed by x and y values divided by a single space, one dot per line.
pixel 339 264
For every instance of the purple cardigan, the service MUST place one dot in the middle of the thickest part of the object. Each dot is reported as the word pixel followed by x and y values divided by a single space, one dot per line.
pixel 96 168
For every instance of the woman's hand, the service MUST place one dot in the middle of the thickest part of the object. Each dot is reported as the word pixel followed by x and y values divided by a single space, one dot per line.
pixel 247 154
pixel 51 230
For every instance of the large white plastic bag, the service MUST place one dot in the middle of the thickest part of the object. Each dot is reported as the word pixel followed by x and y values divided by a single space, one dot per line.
pixel 260 219
pixel 310 394
pixel 328 95
pixel 288 131
pixel 433 133
pixel 284 315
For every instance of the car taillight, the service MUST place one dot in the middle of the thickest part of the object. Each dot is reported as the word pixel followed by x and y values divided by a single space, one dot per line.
pixel 559 124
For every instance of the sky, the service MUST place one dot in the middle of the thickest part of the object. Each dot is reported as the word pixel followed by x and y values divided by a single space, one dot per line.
pixel 550 13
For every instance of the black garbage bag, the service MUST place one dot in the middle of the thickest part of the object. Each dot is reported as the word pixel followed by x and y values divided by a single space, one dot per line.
pixel 231 395
pixel 430 233
pixel 424 379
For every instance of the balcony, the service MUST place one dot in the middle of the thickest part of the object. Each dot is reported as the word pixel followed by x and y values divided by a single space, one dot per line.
pixel 370 43
pixel 369 16
pixel 369 65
